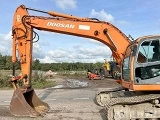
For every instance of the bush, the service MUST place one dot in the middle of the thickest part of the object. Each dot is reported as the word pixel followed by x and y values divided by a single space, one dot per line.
pixel 38 77
pixel 4 81
pixel 39 80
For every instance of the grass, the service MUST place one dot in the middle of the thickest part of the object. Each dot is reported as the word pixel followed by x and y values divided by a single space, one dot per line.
pixel 38 81
pixel 44 84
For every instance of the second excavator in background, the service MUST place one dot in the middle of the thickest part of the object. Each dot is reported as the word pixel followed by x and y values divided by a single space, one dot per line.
pixel 110 69
pixel 139 96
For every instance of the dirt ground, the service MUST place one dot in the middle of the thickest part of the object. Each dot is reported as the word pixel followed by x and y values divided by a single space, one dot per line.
pixel 72 83
pixel 84 82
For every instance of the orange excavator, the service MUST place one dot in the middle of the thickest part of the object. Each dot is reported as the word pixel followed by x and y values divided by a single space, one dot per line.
pixel 139 96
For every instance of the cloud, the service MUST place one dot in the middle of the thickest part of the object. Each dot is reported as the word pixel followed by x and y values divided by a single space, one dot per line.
pixel 6 43
pixel 123 22
pixel 96 51
pixel 37 51
pixel 66 4
pixel 57 53
pixel 77 54
pixel 45 32
pixel 102 15
pixel 46 59
pixel 73 54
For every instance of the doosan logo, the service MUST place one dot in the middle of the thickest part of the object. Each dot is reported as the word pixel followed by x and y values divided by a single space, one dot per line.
pixel 60 25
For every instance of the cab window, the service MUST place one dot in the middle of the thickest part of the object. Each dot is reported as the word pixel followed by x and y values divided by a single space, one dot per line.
pixel 149 52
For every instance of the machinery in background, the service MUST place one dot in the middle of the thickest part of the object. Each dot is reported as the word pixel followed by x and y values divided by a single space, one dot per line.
pixel 94 74
pixel 110 69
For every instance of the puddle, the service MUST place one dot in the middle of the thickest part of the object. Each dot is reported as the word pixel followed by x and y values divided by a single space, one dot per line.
pixel 72 83
pixel 58 86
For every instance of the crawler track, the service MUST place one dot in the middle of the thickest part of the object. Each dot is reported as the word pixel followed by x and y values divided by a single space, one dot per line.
pixel 130 105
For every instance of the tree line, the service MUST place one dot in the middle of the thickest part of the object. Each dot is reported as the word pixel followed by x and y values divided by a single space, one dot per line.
pixel 6 64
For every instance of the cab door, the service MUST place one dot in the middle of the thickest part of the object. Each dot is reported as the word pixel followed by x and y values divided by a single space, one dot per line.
pixel 127 67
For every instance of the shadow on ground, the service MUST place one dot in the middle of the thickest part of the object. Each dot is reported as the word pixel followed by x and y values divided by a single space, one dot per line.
pixel 103 113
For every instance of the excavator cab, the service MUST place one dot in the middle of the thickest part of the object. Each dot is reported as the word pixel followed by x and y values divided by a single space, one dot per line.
pixel 139 97
pixel 141 66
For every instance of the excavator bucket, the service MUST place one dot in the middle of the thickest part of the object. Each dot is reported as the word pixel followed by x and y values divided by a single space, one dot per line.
pixel 26 103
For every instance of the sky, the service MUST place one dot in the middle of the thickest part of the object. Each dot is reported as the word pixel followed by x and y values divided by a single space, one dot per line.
pixel 133 17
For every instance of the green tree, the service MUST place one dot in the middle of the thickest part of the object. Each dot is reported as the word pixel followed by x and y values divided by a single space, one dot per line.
pixel 36 65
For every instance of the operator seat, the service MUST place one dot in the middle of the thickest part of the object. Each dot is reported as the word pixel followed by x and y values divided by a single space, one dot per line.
pixel 156 54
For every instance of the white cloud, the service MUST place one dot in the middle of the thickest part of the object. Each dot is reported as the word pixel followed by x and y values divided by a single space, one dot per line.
pixel 96 51
pixel 46 59
pixel 57 53
pixel 123 22
pixel 66 4
pixel 92 41
pixel 37 51
pixel 74 54
pixel 77 54
pixel 5 44
pixel 102 15
pixel 45 32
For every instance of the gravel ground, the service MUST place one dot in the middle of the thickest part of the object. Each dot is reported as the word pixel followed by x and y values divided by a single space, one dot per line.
pixel 82 82
pixel 63 106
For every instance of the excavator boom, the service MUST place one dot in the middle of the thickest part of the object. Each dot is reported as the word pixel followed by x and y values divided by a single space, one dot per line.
pixel 71 25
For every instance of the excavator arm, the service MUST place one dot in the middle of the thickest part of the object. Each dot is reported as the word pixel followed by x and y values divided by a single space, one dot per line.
pixel 24 36
pixel 24 25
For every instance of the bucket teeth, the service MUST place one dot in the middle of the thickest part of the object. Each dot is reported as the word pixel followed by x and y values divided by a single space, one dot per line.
pixel 27 104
